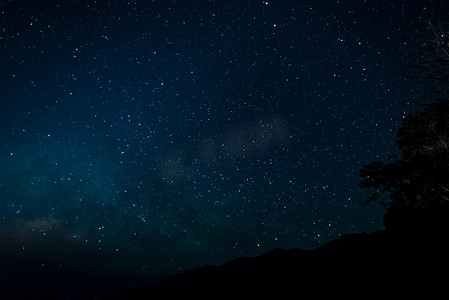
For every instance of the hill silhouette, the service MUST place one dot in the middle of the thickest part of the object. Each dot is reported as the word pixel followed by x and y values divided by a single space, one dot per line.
pixel 407 259
pixel 386 263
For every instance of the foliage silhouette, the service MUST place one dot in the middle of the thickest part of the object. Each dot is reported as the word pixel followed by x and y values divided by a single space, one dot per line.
pixel 418 180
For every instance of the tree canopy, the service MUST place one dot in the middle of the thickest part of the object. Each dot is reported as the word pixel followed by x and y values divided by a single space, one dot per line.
pixel 418 179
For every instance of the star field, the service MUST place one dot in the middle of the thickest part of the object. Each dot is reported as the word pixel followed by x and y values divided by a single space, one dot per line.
pixel 158 136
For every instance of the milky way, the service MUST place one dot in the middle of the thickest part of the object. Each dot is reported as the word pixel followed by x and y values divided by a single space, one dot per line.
pixel 158 136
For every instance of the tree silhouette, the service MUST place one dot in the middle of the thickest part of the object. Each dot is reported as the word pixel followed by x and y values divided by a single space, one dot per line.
pixel 433 62
pixel 418 179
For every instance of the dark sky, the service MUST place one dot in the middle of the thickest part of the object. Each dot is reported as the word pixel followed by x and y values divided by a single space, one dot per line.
pixel 156 136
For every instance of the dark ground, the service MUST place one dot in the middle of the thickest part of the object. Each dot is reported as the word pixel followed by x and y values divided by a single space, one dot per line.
pixel 410 261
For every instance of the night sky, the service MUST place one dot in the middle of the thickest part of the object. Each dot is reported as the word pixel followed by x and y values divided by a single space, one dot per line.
pixel 152 137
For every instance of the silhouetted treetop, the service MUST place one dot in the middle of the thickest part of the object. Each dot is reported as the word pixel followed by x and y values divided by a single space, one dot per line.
pixel 425 131
pixel 419 178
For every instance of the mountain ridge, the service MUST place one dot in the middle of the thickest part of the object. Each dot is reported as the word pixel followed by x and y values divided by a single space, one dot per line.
pixel 382 262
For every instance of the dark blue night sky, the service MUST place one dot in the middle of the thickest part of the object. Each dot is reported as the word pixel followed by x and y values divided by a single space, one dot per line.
pixel 151 137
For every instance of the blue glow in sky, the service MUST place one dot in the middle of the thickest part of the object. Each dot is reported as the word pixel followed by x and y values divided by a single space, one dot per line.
pixel 151 137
